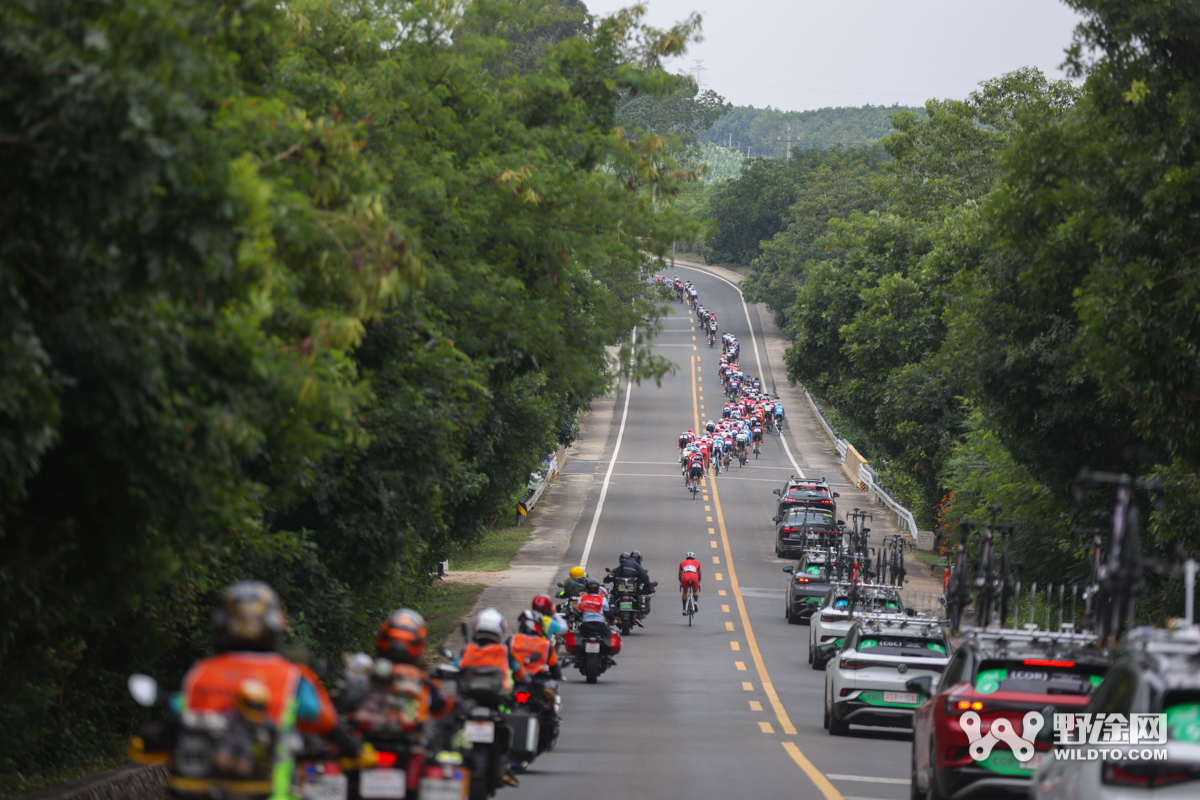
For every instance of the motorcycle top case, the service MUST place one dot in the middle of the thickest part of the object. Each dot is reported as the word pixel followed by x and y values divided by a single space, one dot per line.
pixel 614 643
pixel 525 735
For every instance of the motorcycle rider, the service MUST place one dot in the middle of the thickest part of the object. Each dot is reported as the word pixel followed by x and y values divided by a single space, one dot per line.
pixel 552 624
pixel 593 606
pixel 631 567
pixel 689 577
pixel 530 646
pixel 249 677
pixel 488 650
pixel 574 585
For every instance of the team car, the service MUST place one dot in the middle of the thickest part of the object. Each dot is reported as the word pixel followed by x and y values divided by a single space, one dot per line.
pixel 833 619
pixel 804 492
pixel 866 681
pixel 807 586
pixel 998 676
pixel 1158 676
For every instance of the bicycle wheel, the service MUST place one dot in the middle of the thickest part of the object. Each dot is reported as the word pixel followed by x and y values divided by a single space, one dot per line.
pixel 985 582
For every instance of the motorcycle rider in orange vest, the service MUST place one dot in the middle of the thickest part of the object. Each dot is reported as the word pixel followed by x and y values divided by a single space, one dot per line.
pixel 487 649
pixel 529 647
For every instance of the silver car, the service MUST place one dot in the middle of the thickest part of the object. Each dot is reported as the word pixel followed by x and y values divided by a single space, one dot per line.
pixel 831 622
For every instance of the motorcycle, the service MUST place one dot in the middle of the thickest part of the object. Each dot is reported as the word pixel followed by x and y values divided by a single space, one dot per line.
pixel 540 697
pixel 482 728
pixel 217 755
pixel 591 654
pixel 625 604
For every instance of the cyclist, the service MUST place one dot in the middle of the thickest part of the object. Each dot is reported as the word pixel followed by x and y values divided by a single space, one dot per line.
pixel 725 411
pixel 718 453
pixel 727 448
pixel 756 434
pixel 685 439
pixel 689 578
pixel 710 426
pixel 740 440
pixel 778 412
pixel 695 471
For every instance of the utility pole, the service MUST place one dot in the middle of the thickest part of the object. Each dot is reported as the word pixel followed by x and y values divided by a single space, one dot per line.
pixel 731 141
pixel 788 157
pixel 699 70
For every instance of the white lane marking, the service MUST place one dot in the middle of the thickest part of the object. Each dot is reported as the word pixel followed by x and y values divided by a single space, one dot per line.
pixel 866 779
pixel 757 360
pixel 587 547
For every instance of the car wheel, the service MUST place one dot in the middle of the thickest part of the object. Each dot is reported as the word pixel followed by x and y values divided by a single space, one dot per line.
pixel 818 664
pixel 931 792
pixel 792 617
pixel 826 718
pixel 914 790
pixel 810 653
pixel 838 727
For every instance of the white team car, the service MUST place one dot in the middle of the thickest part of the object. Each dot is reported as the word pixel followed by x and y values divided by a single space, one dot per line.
pixel 865 682
pixel 1159 676
pixel 831 622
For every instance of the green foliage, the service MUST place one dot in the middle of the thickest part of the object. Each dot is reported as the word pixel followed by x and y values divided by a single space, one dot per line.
pixel 722 163
pixel 763 132
pixel 679 117
pixel 292 292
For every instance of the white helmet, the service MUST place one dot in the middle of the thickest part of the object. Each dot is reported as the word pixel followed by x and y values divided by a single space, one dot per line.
pixel 490 625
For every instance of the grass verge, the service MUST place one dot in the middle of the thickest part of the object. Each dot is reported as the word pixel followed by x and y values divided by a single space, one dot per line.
pixel 444 606
pixel 494 552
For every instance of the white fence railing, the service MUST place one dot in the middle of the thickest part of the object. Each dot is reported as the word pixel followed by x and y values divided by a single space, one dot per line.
pixel 868 476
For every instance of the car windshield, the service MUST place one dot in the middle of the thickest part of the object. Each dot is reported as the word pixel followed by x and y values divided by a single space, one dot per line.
pixel 875 603
pixel 910 647
pixel 807 491
pixel 800 516
pixel 1037 676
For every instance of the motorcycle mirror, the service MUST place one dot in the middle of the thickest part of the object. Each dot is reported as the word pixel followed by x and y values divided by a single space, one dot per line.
pixel 466 633
pixel 144 689
pixel 789 568
pixel 654 583
pixel 445 652
pixel 606 569
pixel 559 585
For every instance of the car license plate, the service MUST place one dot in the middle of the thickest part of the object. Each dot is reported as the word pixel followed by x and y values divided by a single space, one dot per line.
pixel 901 697
pixel 325 787
pixel 1032 763
pixel 443 788
pixel 591 647
pixel 385 784
pixel 626 605
pixel 480 732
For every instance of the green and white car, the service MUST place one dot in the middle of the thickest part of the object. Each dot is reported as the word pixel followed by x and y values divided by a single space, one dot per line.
pixel 833 619
pixel 865 682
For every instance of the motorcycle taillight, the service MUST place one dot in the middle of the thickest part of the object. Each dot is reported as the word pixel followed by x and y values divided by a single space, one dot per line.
pixel 522 697
pixel 614 643
pixel 570 640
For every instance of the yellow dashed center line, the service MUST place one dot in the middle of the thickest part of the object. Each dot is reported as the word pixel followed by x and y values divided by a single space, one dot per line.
pixel 735 646
pixel 747 686
pixel 728 626
pixel 755 705
pixel 716 559
pixel 721 577
pixel 765 727
pixel 712 530
pixel 741 665
pixel 725 609
pixel 713 543
pixel 721 592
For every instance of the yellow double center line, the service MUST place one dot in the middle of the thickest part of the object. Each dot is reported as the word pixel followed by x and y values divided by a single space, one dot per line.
pixel 785 723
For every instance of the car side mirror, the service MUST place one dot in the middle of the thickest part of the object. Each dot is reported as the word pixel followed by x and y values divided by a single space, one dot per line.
pixel 777 491
pixel 776 519
pixel 789 568
pixel 827 650
pixel 922 685
pixel 835 494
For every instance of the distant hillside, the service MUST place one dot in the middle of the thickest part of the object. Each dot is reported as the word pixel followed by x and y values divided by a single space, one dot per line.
pixel 763 131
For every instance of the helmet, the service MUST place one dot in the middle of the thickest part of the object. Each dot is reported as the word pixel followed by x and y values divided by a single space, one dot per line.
pixel 530 622
pixel 401 637
pixel 636 554
pixel 576 573
pixel 489 625
pixel 690 554
pixel 249 617
pixel 592 586
pixel 252 698
pixel 543 604
pixel 625 556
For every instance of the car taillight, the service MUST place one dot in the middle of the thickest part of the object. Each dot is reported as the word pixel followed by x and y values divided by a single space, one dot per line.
pixel 958 706
pixel 845 692
pixel 522 697
pixel 1146 775
pixel 801 580
pixel 790 530
pixel 829 618
pixel 853 663
pixel 1044 662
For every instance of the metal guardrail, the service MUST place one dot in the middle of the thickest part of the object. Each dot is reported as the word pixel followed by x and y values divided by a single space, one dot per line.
pixel 868 476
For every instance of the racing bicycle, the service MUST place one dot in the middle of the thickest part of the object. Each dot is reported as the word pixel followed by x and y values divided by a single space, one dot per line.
pixel 689 606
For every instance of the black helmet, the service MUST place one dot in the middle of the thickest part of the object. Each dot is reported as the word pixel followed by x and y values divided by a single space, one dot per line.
pixel 637 555
pixel 625 556
pixel 592 586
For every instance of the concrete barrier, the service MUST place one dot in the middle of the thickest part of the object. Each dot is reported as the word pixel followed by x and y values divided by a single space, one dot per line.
pixel 851 466
pixel 925 540
pixel 128 782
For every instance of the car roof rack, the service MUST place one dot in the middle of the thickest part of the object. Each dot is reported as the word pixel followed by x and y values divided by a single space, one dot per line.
pixel 1164 641
pixel 1064 639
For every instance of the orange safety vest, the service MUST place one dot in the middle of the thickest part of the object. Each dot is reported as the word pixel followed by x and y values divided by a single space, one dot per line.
pixel 488 656
pixel 211 685
pixel 525 646
pixel 591 602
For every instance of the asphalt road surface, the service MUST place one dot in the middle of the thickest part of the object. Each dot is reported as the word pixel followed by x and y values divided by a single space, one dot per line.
pixel 729 707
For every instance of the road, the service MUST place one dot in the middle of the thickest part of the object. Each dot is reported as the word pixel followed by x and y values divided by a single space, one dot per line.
pixel 729 707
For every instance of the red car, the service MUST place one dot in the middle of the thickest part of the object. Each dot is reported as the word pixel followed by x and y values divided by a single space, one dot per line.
pixel 997 674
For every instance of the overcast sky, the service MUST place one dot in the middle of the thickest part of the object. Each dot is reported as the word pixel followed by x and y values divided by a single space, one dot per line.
pixel 797 55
